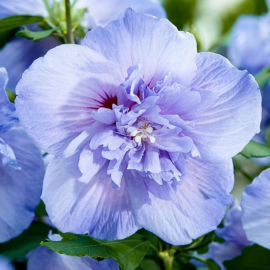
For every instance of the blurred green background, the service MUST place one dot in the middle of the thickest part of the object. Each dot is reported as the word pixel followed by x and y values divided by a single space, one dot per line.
pixel 210 20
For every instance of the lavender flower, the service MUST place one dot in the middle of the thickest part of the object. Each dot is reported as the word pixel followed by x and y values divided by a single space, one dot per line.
pixel 21 171
pixel 234 236
pixel 256 206
pixel 253 54
pixel 44 259
pixel 247 52
pixel 142 127
pixel 20 53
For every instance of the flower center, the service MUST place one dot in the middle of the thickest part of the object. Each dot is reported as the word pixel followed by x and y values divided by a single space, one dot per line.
pixel 142 133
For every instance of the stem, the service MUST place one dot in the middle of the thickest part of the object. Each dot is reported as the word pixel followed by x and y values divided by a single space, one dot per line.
pixel 167 257
pixel 70 37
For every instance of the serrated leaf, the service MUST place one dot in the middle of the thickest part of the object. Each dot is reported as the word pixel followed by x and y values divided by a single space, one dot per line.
pixel 128 252
pixel 263 77
pixel 30 239
pixel 252 257
pixel 253 149
pixel 35 35
pixel 16 21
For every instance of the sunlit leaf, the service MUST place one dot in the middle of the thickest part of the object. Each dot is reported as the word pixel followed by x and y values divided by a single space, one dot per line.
pixel 35 35
pixel 253 149
pixel 16 21
pixel 128 252
pixel 263 77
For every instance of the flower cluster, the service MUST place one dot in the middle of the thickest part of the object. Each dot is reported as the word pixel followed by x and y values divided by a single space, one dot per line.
pixel 137 130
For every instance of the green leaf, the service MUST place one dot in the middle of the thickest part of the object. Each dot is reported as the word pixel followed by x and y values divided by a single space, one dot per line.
pixel 211 265
pixel 253 149
pixel 263 77
pixel 252 257
pixel 35 35
pixel 128 252
pixel 147 264
pixel 30 239
pixel 16 21
pixel 40 211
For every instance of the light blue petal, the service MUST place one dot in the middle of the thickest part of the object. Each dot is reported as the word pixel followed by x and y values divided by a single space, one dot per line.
pixel 102 211
pixel 256 208
pixel 20 190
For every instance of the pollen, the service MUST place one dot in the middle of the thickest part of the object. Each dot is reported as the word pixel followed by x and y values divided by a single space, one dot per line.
pixel 142 133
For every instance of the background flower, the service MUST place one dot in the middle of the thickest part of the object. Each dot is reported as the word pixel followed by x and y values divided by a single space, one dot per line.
pixel 21 170
pixel 256 205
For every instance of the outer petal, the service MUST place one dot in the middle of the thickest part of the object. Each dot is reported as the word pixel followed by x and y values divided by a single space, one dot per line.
pixel 77 80
pixel 156 44
pixel 19 189
pixel 104 11
pixel 220 253
pixel 233 228
pixel 256 207
pixel 222 131
pixel 8 117
pixel 5 265
pixel 245 51
pixel 198 207
pixel 20 53
pixel 18 7
pixel 102 212
pixel 45 259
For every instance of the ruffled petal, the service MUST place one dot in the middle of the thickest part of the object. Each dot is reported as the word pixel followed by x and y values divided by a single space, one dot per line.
pixel 222 131
pixel 198 207
pixel 44 259
pixel 78 80
pixel 255 205
pixel 95 208
pixel 155 44
pixel 19 189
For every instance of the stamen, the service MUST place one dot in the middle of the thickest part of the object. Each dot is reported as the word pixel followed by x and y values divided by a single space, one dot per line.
pixel 142 133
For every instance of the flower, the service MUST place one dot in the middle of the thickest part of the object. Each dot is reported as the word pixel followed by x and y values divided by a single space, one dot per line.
pixel 21 170
pixel 142 127
pixel 5 265
pixel 256 205
pixel 44 259
pixel 245 52
pixel 234 236
pixel 20 53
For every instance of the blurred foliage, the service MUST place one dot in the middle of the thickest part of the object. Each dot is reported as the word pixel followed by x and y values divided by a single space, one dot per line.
pixel 180 12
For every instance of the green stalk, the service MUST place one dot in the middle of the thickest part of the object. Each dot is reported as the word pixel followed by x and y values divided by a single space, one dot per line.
pixel 167 257
pixel 70 36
